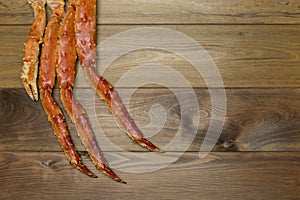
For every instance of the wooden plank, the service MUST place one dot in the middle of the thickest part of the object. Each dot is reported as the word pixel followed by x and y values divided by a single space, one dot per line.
pixel 174 12
pixel 257 120
pixel 246 56
pixel 36 175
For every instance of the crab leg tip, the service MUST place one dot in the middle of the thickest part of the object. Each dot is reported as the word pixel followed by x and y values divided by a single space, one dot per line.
pixel 121 181
pixel 93 175
pixel 84 169
pixel 107 171
pixel 147 144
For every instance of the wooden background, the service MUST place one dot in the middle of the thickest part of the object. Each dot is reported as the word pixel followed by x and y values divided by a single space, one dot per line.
pixel 256 47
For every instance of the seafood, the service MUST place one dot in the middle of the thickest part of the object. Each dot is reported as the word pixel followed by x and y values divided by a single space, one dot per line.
pixel 85 28
pixel 66 37
pixel 66 77
pixel 47 73
pixel 29 70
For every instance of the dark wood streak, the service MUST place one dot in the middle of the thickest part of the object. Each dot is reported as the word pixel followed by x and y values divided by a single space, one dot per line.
pixel 257 120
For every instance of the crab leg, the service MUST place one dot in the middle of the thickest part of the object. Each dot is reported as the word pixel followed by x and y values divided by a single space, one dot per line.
pixel 48 62
pixel 85 28
pixel 65 77
pixel 29 70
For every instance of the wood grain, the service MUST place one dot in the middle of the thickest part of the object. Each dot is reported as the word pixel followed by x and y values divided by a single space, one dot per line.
pixel 174 12
pixel 256 47
pixel 257 120
pixel 218 176
pixel 246 56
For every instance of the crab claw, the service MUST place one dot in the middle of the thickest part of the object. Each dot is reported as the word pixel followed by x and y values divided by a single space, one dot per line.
pixel 29 70
pixel 31 87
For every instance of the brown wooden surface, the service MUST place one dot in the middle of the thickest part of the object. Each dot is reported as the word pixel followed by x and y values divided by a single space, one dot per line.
pixel 267 120
pixel 246 55
pixel 48 175
pixel 174 12
pixel 256 47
